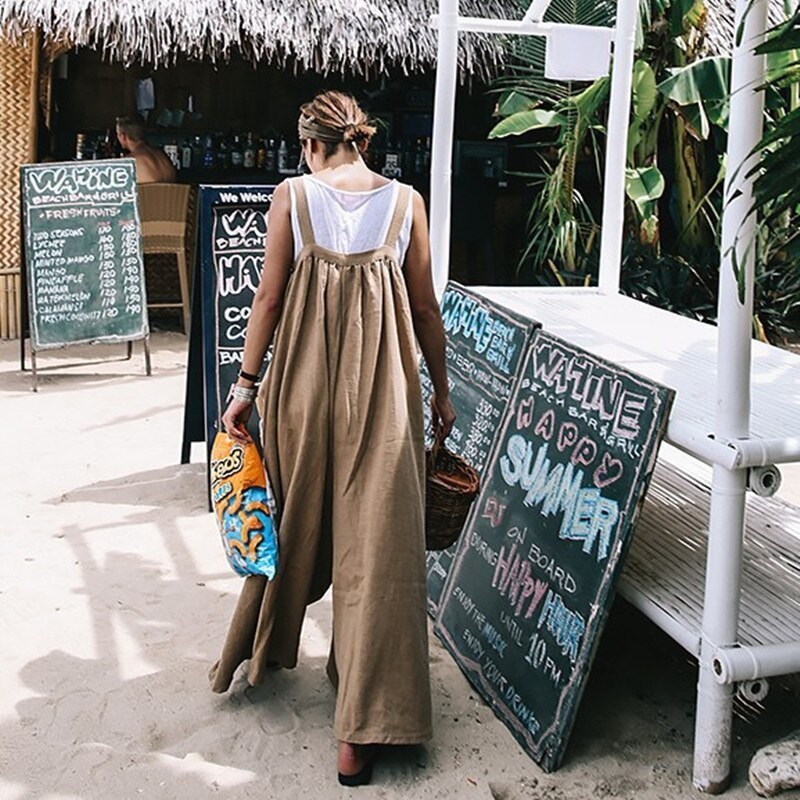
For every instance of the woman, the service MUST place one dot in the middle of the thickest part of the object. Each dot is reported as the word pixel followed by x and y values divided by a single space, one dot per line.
pixel 346 286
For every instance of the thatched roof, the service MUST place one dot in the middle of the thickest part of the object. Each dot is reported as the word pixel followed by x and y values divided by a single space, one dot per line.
pixel 720 23
pixel 365 37
pixel 360 36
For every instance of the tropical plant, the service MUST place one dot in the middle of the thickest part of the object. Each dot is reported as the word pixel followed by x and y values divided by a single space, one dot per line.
pixel 567 117
pixel 676 163
pixel 568 121
pixel 777 187
pixel 777 190
pixel 561 227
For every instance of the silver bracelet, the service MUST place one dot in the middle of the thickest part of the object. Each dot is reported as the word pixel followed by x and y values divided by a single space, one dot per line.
pixel 244 394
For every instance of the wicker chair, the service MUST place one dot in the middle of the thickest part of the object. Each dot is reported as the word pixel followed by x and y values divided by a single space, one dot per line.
pixel 163 210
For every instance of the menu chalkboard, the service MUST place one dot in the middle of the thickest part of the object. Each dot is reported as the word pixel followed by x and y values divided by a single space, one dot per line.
pixel 83 253
pixel 485 344
pixel 233 229
pixel 534 575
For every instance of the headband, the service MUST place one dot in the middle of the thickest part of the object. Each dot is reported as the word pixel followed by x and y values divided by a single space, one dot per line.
pixel 309 128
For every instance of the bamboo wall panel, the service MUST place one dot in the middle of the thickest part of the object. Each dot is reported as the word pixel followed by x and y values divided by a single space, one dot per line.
pixel 18 96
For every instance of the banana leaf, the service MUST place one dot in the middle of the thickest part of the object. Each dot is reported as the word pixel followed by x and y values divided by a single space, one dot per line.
pixel 644 185
pixel 526 121
pixel 701 90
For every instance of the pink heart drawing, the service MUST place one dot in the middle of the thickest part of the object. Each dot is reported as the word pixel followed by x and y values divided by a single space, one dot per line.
pixel 608 471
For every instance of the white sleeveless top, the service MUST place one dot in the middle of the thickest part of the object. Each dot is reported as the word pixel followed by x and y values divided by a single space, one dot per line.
pixel 350 222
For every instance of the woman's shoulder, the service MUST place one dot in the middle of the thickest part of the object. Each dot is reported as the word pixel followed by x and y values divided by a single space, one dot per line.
pixel 364 183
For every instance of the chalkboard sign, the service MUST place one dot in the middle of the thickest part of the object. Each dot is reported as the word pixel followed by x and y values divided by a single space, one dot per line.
pixel 535 571
pixel 233 229
pixel 83 253
pixel 485 344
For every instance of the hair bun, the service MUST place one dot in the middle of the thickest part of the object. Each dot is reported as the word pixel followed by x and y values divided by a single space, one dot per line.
pixel 340 114
pixel 356 132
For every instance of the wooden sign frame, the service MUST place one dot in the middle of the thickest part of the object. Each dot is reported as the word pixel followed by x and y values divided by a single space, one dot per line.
pixel 124 175
pixel 536 569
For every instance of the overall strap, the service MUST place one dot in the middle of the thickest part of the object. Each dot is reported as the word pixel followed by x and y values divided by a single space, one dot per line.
pixel 400 208
pixel 303 216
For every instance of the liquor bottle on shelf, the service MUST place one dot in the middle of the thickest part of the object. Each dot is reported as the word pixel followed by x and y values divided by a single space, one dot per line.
pixel 186 154
pixel 294 158
pixel 237 155
pixel 80 147
pixel 104 147
pixel 271 159
pixel 224 155
pixel 283 158
pixel 249 154
pixel 209 157
pixel 261 155
pixel 197 152
pixel 427 159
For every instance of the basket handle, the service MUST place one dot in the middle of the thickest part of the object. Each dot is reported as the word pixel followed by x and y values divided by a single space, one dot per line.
pixel 438 440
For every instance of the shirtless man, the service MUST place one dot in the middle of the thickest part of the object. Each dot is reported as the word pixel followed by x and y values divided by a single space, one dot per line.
pixel 152 164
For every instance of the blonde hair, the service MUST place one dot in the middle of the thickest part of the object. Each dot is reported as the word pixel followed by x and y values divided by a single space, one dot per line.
pixel 339 118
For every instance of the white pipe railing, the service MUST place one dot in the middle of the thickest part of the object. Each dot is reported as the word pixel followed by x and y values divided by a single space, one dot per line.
pixel 523 27
pixel 761 452
pixel 688 639
pixel 727 517
pixel 617 146
pixel 536 10
pixel 731 454
pixel 698 442
pixel 444 109
pixel 734 664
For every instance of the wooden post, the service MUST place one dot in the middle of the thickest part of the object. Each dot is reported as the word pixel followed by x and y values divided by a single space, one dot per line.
pixel 19 71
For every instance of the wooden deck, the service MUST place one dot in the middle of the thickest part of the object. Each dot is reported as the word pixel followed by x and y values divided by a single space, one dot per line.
pixel 664 574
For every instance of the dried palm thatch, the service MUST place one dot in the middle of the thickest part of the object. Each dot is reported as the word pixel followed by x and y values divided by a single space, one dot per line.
pixel 357 36
pixel 720 23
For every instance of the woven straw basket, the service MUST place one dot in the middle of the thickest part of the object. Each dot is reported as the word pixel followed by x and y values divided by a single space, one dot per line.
pixel 450 488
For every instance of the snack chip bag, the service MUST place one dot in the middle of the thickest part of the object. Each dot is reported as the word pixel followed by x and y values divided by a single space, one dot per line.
pixel 244 507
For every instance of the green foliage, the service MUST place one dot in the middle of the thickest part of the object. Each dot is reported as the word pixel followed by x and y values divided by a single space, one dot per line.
pixel 527 121
pixel 670 282
pixel 701 91
pixel 777 286
pixel 777 186
pixel 777 189
pixel 561 228
pixel 676 164
pixel 644 185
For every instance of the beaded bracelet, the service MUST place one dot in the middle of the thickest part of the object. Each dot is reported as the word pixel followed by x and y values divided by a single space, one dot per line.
pixel 244 394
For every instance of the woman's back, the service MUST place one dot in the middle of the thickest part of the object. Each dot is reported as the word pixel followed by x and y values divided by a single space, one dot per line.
pixel 343 433
pixel 347 220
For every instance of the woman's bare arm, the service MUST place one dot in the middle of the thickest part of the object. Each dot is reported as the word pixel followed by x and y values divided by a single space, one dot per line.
pixel 267 304
pixel 425 312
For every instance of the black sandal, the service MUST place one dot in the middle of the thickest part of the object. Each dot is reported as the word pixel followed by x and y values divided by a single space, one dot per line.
pixel 364 775
pixel 360 778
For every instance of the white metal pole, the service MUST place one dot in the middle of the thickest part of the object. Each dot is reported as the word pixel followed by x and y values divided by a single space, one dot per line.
pixel 616 146
pixel 736 664
pixel 726 527
pixel 444 106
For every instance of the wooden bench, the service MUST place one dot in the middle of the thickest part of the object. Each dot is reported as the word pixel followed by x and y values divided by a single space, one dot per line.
pixel 664 573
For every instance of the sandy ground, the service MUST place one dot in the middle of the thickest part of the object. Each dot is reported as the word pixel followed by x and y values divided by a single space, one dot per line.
pixel 115 596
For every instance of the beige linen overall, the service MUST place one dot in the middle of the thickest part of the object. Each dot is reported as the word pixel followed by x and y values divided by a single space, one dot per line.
pixel 343 442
